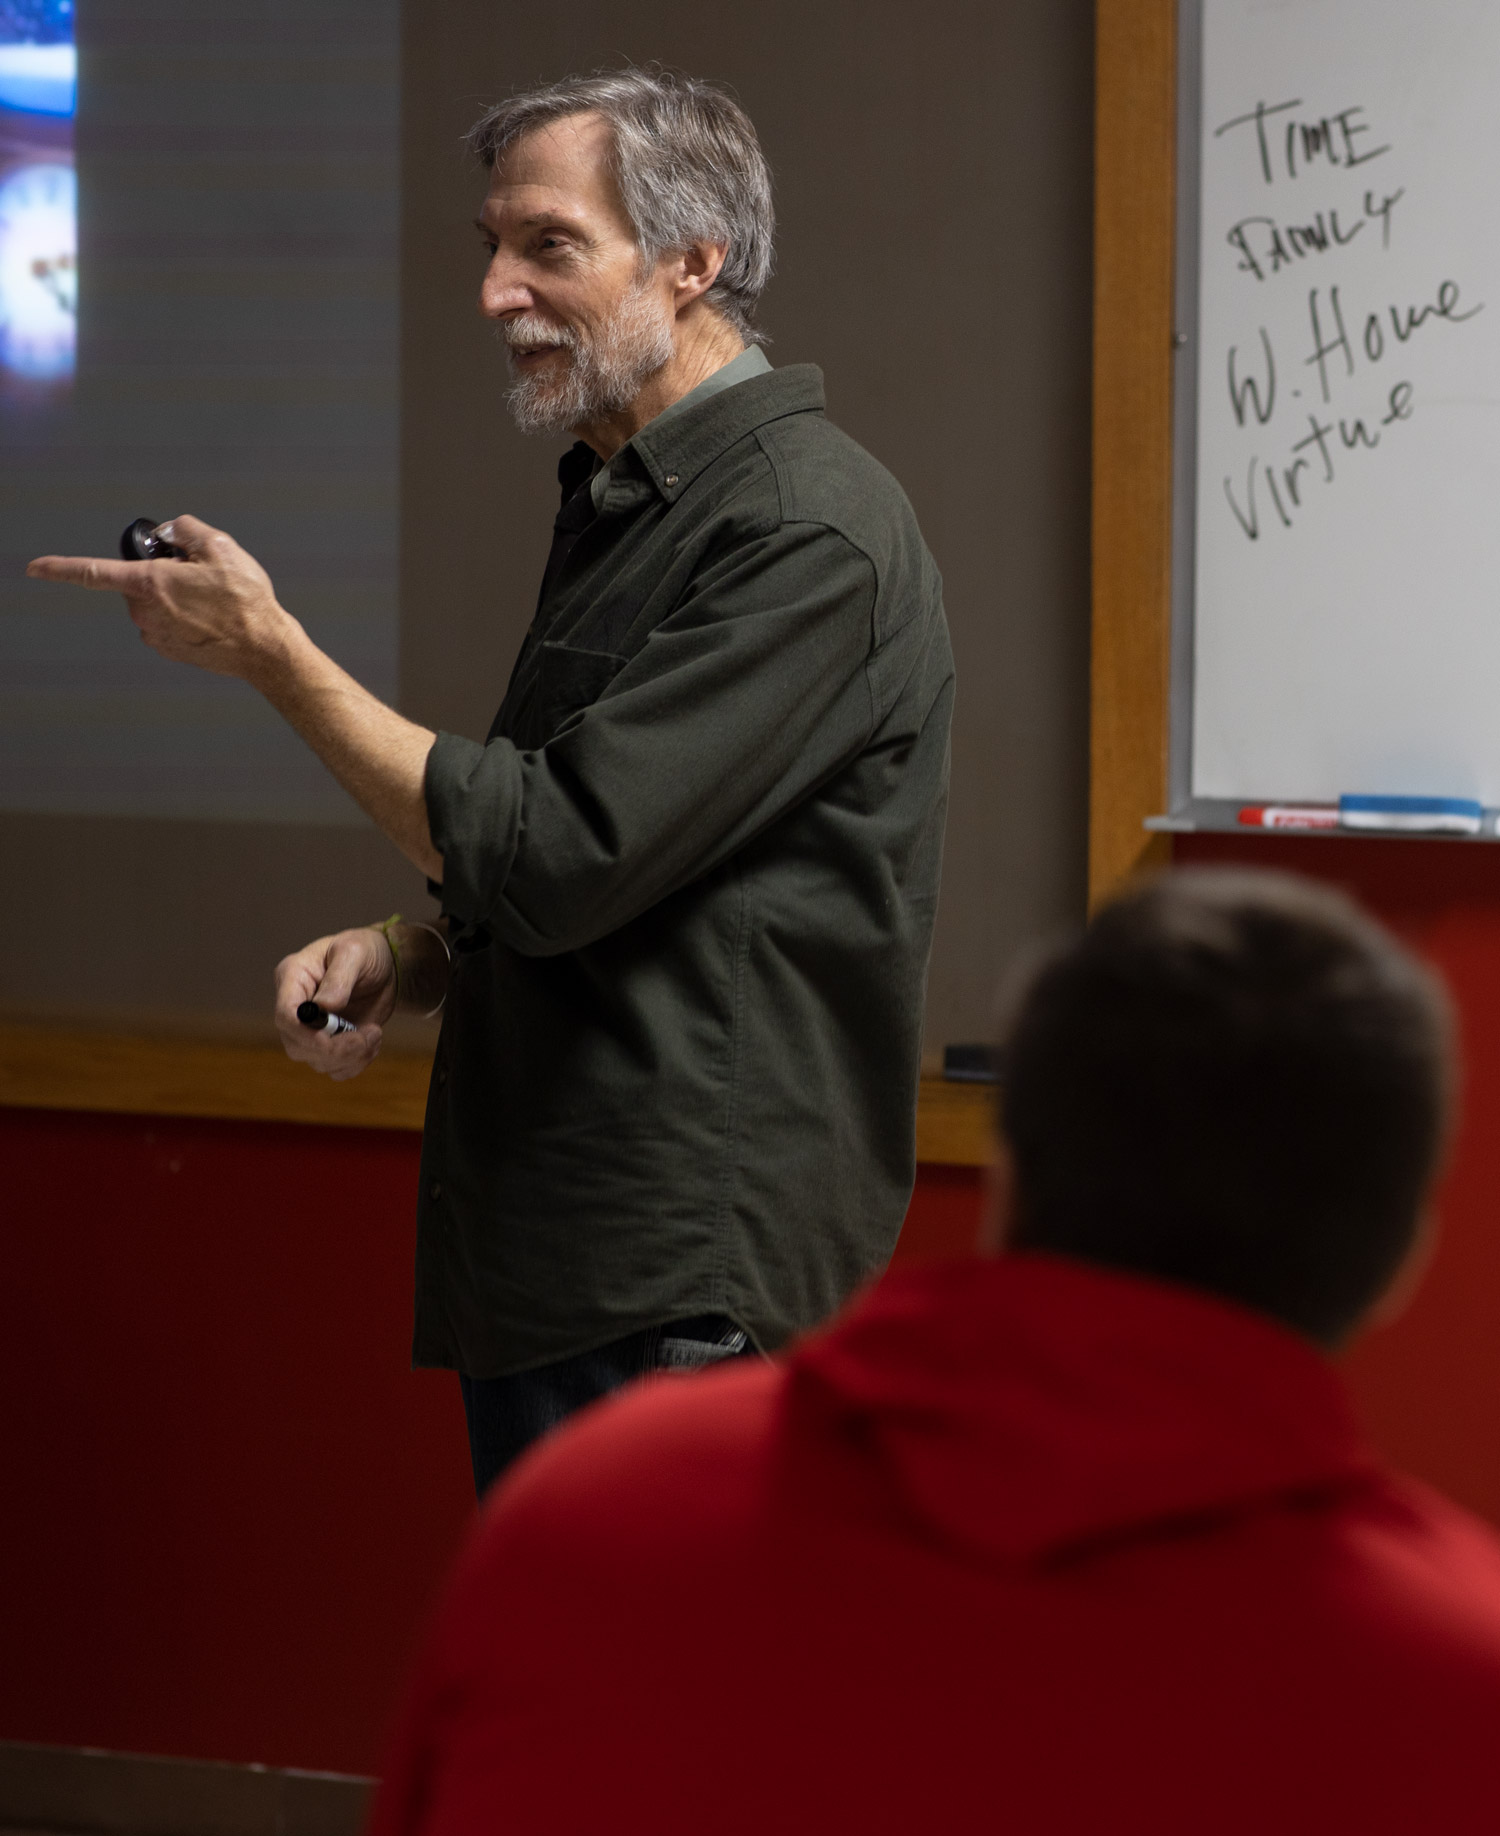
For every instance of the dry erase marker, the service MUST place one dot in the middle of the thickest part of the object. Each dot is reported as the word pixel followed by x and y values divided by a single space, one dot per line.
pixel 1413 815
pixel 310 1014
pixel 1290 815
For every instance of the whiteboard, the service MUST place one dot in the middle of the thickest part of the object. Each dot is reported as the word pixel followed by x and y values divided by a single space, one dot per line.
pixel 1338 494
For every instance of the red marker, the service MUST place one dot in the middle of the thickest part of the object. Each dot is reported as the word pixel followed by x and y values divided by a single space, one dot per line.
pixel 1290 816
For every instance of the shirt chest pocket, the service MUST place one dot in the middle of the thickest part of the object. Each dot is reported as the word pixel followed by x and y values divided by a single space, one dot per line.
pixel 568 681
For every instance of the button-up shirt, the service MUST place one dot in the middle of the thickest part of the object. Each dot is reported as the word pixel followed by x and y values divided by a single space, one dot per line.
pixel 690 881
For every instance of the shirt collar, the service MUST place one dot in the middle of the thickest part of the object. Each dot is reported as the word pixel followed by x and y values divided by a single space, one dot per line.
pixel 752 361
pixel 686 438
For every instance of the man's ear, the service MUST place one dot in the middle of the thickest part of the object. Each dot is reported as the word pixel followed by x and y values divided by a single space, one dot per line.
pixel 697 268
pixel 998 1210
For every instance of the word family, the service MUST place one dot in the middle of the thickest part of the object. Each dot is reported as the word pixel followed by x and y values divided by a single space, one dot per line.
pixel 1265 246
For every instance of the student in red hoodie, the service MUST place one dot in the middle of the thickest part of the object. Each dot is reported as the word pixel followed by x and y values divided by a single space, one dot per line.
pixel 1077 1538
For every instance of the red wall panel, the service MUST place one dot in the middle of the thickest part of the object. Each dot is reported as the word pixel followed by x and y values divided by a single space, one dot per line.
pixel 1429 1385
pixel 227 1499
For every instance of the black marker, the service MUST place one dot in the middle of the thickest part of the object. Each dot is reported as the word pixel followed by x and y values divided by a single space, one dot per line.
pixel 310 1014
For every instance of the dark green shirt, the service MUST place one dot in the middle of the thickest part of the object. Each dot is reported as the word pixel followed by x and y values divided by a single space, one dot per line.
pixel 690 882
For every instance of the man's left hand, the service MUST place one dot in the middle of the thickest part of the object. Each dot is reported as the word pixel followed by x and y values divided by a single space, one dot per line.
pixel 215 608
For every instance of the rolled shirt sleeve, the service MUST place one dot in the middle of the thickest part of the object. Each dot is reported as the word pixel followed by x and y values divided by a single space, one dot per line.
pixel 751 692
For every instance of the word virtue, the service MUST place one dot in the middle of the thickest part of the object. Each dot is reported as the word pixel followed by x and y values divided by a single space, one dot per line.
pixel 1284 483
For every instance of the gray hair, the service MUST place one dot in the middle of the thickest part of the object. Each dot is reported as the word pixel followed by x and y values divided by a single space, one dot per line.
pixel 687 162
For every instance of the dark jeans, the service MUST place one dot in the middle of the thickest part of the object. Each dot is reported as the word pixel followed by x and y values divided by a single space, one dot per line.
pixel 506 1414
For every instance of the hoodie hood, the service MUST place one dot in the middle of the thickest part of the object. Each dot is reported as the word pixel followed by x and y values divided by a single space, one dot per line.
pixel 1024 1406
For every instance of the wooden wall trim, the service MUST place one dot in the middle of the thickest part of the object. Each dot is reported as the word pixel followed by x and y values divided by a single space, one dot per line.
pixel 46 1068
pixel 1134 190
pixel 955 1124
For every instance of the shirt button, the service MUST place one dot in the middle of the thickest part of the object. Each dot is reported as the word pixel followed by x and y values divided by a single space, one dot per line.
pixel 671 478
pixel 442 1077
pixel 435 1190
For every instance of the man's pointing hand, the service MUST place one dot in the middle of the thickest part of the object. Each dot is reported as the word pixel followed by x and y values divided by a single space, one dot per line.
pixel 215 608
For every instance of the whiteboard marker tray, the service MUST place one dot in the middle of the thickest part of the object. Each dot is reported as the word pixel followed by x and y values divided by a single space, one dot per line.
pixel 1221 815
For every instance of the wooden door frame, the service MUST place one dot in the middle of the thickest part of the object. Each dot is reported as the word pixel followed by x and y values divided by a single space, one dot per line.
pixel 1134 201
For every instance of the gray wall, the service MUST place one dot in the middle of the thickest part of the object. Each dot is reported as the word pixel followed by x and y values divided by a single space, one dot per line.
pixel 933 183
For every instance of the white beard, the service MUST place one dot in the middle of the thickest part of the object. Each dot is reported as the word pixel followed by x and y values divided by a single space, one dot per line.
pixel 604 369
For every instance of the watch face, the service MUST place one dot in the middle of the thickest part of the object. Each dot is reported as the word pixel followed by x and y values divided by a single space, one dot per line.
pixel 38 269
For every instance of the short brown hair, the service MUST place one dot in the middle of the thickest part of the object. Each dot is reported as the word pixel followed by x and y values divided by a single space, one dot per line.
pixel 1235 1080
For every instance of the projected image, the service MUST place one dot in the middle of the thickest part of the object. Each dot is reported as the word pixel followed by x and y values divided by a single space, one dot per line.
pixel 38 196
pixel 236 355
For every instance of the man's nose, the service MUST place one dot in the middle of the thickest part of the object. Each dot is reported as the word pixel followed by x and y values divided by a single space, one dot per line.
pixel 502 290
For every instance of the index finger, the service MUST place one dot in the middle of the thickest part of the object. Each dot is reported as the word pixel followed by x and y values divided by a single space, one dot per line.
pixel 127 577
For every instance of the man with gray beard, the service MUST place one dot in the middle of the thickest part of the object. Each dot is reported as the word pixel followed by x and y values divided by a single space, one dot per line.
pixel 687 883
